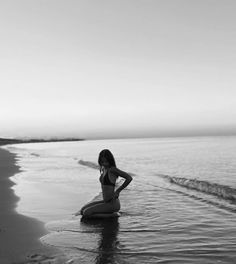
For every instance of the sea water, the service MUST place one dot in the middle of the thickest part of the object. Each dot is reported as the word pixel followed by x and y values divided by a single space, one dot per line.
pixel 179 208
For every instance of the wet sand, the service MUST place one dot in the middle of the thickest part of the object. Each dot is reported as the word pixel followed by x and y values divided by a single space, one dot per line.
pixel 19 234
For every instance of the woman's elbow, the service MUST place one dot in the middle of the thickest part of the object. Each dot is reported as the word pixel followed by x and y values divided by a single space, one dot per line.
pixel 130 179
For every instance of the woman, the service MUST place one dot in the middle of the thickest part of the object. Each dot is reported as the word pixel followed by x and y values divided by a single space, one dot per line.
pixel 109 174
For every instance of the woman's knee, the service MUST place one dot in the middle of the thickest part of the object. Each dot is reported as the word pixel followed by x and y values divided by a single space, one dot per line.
pixel 84 208
pixel 87 212
pixel 81 211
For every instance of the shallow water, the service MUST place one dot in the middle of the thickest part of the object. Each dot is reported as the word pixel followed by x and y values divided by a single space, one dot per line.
pixel 179 208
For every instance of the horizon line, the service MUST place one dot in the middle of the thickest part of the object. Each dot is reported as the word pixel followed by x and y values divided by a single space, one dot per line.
pixel 67 138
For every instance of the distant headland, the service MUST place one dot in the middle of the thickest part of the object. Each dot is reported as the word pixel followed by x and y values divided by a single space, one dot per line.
pixel 6 141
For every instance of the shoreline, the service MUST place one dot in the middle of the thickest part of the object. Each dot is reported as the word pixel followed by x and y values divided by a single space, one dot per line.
pixel 19 234
pixel 7 141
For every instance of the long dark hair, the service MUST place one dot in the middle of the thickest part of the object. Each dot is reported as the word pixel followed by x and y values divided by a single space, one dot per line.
pixel 106 153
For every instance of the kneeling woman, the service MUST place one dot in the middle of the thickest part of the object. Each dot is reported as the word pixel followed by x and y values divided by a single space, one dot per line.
pixel 109 174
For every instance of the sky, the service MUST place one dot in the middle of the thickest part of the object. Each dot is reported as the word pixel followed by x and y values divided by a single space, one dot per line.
pixel 112 69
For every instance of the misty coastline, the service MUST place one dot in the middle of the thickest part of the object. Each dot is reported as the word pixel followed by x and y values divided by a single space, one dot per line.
pixel 6 141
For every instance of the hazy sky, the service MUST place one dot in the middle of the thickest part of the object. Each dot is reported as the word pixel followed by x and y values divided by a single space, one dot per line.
pixel 106 68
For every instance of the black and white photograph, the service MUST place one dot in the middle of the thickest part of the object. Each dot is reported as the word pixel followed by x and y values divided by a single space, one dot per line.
pixel 118 132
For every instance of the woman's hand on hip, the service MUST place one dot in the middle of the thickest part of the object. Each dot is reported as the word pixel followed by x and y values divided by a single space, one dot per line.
pixel 116 195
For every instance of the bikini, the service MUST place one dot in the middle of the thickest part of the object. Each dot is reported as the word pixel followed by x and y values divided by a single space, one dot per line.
pixel 105 180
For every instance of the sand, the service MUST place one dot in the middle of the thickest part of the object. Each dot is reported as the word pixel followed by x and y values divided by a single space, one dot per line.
pixel 19 234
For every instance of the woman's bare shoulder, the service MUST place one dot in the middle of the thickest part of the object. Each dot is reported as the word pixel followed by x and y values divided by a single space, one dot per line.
pixel 114 170
pixel 117 172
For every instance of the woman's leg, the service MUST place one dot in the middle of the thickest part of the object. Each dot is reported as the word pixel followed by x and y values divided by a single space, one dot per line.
pixel 110 207
pixel 88 205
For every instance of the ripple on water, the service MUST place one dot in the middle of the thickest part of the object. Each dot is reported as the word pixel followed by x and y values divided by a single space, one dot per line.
pixel 164 228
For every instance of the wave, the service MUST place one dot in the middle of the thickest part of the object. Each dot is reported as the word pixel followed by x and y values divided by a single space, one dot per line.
pixel 202 199
pixel 99 231
pixel 89 164
pixel 221 191
pixel 35 154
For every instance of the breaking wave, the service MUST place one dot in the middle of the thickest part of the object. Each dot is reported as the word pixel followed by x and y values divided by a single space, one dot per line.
pixel 221 191
pixel 89 164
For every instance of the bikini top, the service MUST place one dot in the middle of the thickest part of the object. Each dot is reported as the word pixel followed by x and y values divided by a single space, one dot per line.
pixel 105 179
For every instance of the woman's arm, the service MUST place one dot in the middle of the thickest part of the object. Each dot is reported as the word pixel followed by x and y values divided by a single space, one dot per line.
pixel 124 175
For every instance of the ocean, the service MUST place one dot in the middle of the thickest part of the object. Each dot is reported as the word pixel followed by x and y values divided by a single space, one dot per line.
pixel 179 208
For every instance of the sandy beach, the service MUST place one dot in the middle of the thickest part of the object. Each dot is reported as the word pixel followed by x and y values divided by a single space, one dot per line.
pixel 19 234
